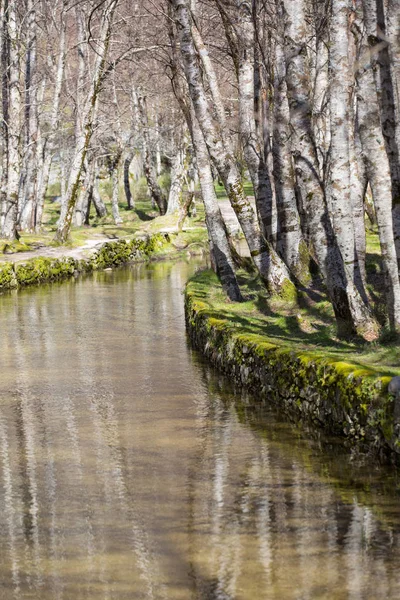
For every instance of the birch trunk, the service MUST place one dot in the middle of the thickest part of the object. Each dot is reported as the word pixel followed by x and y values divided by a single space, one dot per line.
pixel 272 270
pixel 156 192
pixel 340 171
pixel 375 25
pixel 324 245
pixel 358 176
pixel 127 188
pixel 158 148
pixel 54 121
pixel 378 172
pixel 4 112
pixel 219 244
pixel 115 190
pixel 221 255
pixel 320 104
pixel 83 199
pixel 291 245
pixel 393 38
pixel 82 143
pixel 252 146
pixel 179 171
pixel 30 166
pixel 211 76
pixel 177 181
pixel 99 205
pixel 9 229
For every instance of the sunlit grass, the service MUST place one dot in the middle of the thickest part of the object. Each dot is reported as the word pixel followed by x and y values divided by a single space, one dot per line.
pixel 307 325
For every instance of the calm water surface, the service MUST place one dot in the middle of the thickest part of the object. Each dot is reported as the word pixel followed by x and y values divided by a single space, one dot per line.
pixel 129 469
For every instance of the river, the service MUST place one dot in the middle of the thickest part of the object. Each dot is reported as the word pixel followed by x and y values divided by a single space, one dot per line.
pixel 129 469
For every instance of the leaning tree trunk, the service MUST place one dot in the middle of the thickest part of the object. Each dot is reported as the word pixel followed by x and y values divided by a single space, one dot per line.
pixel 98 202
pixel 82 143
pixel 219 244
pixel 156 192
pixel 272 270
pixel 9 229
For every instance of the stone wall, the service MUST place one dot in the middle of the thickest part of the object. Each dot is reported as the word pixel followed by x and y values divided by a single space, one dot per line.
pixel 341 398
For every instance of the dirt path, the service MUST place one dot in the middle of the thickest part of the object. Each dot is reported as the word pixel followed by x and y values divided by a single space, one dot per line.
pixel 84 251
pixel 91 245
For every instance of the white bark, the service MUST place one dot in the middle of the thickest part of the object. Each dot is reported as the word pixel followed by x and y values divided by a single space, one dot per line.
pixel 271 268
pixel 378 171
pixel 54 122
pixel 27 198
pixel 98 202
pixel 177 182
pixel 156 192
pixel 115 191
pixel 291 245
pixel 211 77
pixel 82 143
pixel 324 244
pixel 251 143
pixel 340 203
pixel 9 227
pixel 219 244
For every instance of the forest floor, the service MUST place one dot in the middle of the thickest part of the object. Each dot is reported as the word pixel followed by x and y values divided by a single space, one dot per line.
pixel 83 241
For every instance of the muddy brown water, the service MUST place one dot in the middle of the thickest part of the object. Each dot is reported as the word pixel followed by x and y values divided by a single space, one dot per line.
pixel 130 469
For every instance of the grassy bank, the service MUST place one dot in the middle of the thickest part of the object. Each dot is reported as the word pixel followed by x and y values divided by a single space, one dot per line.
pixel 143 219
pixel 306 325
pixel 288 353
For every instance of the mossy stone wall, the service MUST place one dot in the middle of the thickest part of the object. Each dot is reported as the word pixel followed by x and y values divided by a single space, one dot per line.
pixel 111 254
pixel 341 398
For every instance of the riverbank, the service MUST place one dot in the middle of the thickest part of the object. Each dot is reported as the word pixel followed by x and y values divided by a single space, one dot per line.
pixel 56 264
pixel 272 349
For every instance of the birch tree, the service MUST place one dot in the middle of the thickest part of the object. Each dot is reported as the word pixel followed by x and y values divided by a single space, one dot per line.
pixel 272 270
pixel 156 192
pixel 340 200
pixel 12 118
pixel 378 169
pixel 82 143
pixel 58 69
pixel 219 244
pixel 350 311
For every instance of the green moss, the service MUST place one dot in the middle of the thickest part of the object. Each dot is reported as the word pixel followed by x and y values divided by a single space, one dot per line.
pixel 111 254
pixel 342 396
pixel 8 279
pixel 288 291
